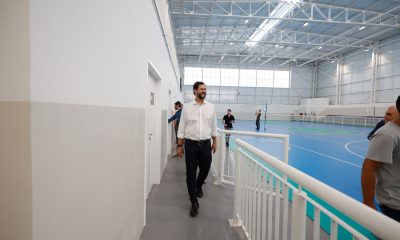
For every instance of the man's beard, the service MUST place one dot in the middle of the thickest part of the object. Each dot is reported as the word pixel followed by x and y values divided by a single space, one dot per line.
pixel 202 95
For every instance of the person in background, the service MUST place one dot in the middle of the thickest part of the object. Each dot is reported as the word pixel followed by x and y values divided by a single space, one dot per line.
pixel 227 121
pixel 197 127
pixel 380 176
pixel 176 117
pixel 398 104
pixel 391 113
pixel 258 114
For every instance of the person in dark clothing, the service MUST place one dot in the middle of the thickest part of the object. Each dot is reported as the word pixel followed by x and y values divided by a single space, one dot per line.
pixel 258 114
pixel 227 121
pixel 176 117
pixel 390 114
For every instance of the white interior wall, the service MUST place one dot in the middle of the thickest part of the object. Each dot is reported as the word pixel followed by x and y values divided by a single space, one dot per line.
pixel 327 81
pixel 388 71
pixel 361 82
pixel 82 67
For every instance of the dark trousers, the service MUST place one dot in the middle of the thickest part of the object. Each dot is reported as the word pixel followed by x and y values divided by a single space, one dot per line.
pixel 390 212
pixel 258 124
pixel 227 136
pixel 197 153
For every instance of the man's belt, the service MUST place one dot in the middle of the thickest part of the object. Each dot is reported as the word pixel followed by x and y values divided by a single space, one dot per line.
pixel 199 142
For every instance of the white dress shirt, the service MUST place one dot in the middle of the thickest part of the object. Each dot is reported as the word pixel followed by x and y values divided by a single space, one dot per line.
pixel 198 121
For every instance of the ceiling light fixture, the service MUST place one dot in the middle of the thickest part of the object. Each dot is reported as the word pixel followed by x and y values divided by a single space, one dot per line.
pixel 280 11
pixel 246 21
pixel 231 43
pixel 366 50
pixel 361 28
pixel 305 24
pixel 332 61
pixel 319 47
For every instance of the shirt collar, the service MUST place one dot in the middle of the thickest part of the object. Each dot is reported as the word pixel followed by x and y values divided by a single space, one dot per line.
pixel 195 103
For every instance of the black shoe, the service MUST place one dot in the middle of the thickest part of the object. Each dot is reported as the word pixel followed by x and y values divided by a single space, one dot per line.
pixel 227 144
pixel 199 192
pixel 194 210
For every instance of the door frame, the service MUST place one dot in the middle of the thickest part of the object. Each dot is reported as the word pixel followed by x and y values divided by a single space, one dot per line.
pixel 155 173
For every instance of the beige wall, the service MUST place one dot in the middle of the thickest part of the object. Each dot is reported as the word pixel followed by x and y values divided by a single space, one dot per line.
pixel 87 173
pixel 15 172
pixel 14 49
pixel 15 156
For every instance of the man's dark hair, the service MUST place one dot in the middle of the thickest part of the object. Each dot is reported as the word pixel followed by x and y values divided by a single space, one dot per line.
pixel 229 110
pixel 398 103
pixel 179 104
pixel 196 86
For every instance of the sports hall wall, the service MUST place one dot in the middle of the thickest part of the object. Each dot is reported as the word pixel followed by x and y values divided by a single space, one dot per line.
pixel 365 77
pixel 73 84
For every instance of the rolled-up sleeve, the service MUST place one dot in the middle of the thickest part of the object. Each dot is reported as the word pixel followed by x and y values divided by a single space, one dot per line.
pixel 182 125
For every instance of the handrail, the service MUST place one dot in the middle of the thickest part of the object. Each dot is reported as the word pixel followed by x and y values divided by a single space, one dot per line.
pixel 337 119
pixel 366 216
pixel 218 166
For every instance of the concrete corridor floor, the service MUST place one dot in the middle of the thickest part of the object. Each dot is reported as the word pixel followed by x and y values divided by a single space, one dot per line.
pixel 168 207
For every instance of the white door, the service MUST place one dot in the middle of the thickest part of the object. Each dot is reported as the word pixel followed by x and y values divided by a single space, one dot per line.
pixel 151 113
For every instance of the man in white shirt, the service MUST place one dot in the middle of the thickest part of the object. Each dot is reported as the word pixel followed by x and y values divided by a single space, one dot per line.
pixel 197 125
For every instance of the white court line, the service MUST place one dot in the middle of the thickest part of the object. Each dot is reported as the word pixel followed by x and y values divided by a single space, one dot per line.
pixel 337 159
pixel 346 146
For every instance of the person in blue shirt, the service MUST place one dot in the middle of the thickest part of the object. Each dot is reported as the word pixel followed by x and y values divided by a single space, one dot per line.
pixel 176 117
pixel 390 114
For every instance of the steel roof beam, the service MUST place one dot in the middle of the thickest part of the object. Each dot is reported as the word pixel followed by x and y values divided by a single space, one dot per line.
pixel 311 12
pixel 316 42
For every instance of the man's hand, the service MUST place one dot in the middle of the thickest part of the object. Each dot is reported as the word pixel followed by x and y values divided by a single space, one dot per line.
pixel 214 147
pixel 179 151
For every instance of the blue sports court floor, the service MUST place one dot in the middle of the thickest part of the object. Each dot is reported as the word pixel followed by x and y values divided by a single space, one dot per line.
pixel 330 153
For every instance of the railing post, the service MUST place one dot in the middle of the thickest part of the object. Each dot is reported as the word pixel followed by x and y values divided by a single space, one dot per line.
pixel 236 222
pixel 222 156
pixel 299 205
pixel 286 150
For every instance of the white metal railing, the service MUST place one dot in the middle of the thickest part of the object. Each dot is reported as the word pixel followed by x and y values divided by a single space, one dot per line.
pixel 343 120
pixel 223 166
pixel 266 202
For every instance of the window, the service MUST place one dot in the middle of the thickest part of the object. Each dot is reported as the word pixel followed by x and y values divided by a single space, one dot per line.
pixel 211 76
pixel 229 77
pixel 192 75
pixel 234 77
pixel 265 78
pixel 281 79
pixel 247 78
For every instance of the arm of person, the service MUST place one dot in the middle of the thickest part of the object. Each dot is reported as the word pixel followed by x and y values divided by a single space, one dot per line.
pixel 172 118
pixel 181 133
pixel 368 181
pixel 214 134
pixel 179 150
pixel 214 144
